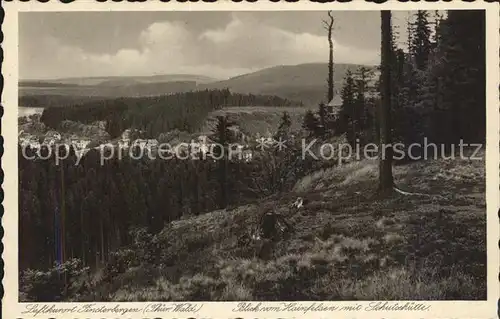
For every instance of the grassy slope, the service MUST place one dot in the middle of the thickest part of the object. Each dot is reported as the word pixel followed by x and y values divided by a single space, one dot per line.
pixel 345 245
pixel 303 82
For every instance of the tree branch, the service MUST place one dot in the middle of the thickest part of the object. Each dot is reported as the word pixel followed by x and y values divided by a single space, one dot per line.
pixel 328 25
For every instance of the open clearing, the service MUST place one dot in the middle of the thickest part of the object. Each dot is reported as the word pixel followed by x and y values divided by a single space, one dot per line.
pixel 253 120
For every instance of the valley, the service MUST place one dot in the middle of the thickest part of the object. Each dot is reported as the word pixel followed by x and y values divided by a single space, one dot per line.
pixel 303 82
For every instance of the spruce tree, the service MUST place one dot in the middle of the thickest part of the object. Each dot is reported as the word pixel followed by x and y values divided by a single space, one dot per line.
pixel 463 75
pixel 363 75
pixel 345 121
pixel 322 114
pixel 421 39
pixel 284 126
pixel 311 123
pixel 222 136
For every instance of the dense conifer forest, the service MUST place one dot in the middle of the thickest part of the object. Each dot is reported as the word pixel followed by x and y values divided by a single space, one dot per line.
pixel 155 115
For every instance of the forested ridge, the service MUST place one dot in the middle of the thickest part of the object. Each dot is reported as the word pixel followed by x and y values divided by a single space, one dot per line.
pixel 155 115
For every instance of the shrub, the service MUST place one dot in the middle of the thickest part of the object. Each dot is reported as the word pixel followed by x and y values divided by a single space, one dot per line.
pixel 119 262
pixel 143 253
pixel 57 283
pixel 200 287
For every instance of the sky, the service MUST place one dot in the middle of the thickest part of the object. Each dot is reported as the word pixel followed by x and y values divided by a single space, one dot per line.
pixel 217 44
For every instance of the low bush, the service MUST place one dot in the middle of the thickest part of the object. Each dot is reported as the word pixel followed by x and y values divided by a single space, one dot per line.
pixel 69 279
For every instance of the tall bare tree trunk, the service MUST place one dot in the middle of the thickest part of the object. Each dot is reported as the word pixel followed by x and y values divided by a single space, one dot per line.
pixel 385 161
pixel 329 28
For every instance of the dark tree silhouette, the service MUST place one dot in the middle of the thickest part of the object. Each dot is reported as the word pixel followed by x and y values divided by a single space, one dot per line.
pixel 385 153
pixel 222 136
pixel 284 127
pixel 323 113
pixel 346 117
pixel 420 47
pixel 311 123
pixel 328 24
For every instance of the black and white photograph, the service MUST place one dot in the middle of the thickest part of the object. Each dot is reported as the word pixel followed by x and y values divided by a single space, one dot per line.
pixel 252 156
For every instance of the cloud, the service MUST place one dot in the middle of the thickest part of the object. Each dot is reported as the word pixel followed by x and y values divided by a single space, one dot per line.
pixel 244 44
pixel 245 41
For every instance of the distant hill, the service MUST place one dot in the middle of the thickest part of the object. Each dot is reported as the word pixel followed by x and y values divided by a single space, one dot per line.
pixel 43 84
pixel 119 80
pixel 303 82
pixel 114 86
pixel 108 89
